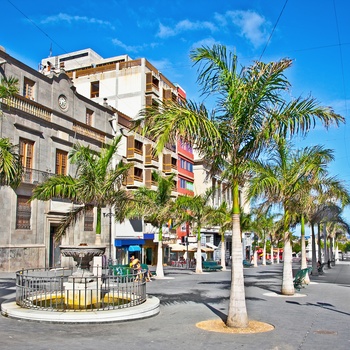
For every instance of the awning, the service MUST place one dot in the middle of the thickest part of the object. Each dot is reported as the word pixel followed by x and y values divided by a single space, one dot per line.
pixel 211 246
pixel 125 243
pixel 177 247
pixel 193 248
pixel 134 248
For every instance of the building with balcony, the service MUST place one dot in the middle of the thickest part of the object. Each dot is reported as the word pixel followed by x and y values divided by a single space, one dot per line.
pixel 45 119
pixel 128 86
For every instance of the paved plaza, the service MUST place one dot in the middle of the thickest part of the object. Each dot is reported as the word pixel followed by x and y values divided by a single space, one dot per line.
pixel 318 317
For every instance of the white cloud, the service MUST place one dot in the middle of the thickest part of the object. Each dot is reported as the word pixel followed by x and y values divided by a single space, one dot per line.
pixel 132 48
pixel 184 26
pixel 252 26
pixel 205 42
pixel 63 17
pixel 127 48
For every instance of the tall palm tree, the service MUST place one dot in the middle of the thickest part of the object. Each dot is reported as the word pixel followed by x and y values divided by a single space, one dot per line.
pixel 250 107
pixel 281 180
pixel 320 206
pixel 196 209
pixel 97 183
pixel 156 207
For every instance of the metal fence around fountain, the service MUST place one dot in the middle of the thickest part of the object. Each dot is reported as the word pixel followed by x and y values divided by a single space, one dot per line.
pixel 59 290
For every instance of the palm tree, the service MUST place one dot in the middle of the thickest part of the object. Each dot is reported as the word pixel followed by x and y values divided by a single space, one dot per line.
pixel 197 212
pixel 156 207
pixel 10 165
pixel 250 108
pixel 8 87
pixel 281 181
pixel 319 206
pixel 97 183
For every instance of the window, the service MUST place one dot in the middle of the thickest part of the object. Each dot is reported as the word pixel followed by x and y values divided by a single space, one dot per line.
pixel 138 174
pixel 89 218
pixel 89 116
pixel 28 88
pixel 173 162
pixel 26 153
pixel 187 185
pixel 95 89
pixel 61 162
pixel 138 147
pixel 24 213
pixel 186 165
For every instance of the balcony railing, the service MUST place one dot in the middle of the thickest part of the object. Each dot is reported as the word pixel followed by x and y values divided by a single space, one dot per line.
pixel 28 106
pixel 34 176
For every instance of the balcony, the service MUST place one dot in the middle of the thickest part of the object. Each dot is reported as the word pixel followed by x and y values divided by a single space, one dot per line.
pixel 28 106
pixel 34 176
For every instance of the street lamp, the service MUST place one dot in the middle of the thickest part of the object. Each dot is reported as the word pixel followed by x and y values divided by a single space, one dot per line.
pixel 187 235
pixel 110 214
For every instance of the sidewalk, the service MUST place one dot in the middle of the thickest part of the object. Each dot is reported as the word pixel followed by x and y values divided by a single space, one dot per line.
pixel 317 320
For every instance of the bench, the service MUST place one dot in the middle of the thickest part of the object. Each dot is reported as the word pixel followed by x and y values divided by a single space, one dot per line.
pixel 246 263
pixel 211 266
pixel 299 278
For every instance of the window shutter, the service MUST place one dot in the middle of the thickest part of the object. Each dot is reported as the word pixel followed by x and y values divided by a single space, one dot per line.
pixel 149 81
pixel 148 154
pixel 131 147
pixel 148 178
pixel 148 101
pixel 167 163
pixel 130 177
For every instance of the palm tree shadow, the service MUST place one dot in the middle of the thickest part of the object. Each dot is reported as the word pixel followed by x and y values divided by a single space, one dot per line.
pixel 217 312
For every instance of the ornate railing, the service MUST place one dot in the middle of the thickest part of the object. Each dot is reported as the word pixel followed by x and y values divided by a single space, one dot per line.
pixel 83 130
pixel 59 290
pixel 34 176
pixel 26 105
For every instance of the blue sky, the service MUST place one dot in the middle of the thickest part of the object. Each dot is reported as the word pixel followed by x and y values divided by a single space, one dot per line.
pixel 314 33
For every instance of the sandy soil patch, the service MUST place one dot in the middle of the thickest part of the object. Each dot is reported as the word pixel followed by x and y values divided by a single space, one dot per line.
pixel 220 327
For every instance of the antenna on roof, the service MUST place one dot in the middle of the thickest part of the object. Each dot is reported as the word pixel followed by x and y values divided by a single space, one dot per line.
pixel 50 54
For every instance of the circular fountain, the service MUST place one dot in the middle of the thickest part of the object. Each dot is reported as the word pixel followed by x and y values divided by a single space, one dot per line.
pixel 77 295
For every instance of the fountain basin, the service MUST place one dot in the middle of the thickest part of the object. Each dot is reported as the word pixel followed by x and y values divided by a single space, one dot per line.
pixel 40 296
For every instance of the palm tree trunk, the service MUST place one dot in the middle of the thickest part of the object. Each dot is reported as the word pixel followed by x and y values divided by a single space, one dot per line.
pixel 199 252
pixel 303 245
pixel 264 252
pixel 303 250
pixel 98 226
pixel 271 253
pixel 237 311
pixel 159 269
pixel 325 252
pixel 287 279
pixel 223 252
pixel 319 252
pixel 255 258
pixel 313 243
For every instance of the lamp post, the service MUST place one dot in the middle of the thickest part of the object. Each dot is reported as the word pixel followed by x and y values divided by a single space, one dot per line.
pixel 110 214
pixel 187 235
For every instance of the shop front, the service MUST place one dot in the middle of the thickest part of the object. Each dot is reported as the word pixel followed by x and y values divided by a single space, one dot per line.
pixel 125 248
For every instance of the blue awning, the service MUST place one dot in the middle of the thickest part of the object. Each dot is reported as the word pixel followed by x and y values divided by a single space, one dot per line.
pixel 134 248
pixel 127 242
